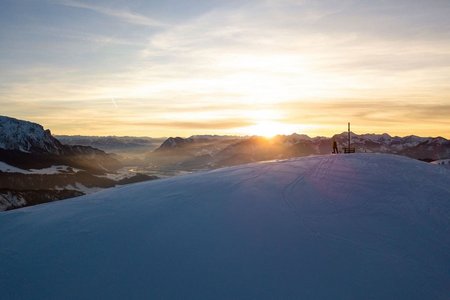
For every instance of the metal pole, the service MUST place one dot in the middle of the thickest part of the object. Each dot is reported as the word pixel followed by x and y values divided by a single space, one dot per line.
pixel 349 136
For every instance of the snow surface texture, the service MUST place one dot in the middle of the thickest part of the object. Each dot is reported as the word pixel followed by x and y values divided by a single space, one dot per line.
pixel 362 226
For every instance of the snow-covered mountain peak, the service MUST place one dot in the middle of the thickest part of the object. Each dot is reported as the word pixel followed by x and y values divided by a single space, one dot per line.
pixel 26 137
pixel 299 137
pixel 382 138
pixel 174 142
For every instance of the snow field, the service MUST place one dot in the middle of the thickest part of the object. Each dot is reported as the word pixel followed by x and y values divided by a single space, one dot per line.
pixel 362 226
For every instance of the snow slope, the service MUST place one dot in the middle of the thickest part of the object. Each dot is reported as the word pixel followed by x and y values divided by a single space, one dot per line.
pixel 361 226
pixel 4 167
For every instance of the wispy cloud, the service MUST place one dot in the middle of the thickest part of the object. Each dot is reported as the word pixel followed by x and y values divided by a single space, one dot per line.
pixel 318 63
pixel 123 14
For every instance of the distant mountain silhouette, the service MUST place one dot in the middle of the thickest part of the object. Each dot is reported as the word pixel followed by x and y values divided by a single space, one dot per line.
pixel 194 153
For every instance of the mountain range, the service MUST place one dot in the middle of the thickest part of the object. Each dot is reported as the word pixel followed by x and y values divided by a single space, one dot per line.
pixel 35 167
pixel 216 151
pixel 114 144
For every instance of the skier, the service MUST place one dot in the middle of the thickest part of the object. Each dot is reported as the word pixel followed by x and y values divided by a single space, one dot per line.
pixel 335 148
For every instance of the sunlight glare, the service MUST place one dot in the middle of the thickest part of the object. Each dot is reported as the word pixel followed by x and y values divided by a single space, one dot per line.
pixel 269 129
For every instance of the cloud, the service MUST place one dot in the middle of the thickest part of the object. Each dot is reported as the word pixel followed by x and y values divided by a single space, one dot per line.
pixel 123 15
pixel 138 117
pixel 315 64
pixel 89 37
pixel 227 124
pixel 372 115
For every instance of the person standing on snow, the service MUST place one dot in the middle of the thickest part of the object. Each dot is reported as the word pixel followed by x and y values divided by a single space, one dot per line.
pixel 335 148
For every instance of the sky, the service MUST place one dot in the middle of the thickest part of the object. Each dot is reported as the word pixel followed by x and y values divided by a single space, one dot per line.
pixel 262 67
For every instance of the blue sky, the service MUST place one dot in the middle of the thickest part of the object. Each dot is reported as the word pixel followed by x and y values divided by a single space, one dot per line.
pixel 160 68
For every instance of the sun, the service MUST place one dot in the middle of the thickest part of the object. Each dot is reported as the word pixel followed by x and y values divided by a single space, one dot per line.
pixel 269 123
pixel 268 129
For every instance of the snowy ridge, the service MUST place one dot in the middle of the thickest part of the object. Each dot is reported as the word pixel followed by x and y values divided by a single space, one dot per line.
pixel 4 167
pixel 26 137
pixel 363 226
pixel 442 162
pixel 386 140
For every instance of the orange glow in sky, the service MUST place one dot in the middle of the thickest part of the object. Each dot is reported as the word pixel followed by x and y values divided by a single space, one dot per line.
pixel 247 67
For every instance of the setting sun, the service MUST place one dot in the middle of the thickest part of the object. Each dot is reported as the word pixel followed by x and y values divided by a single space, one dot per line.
pixel 268 129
